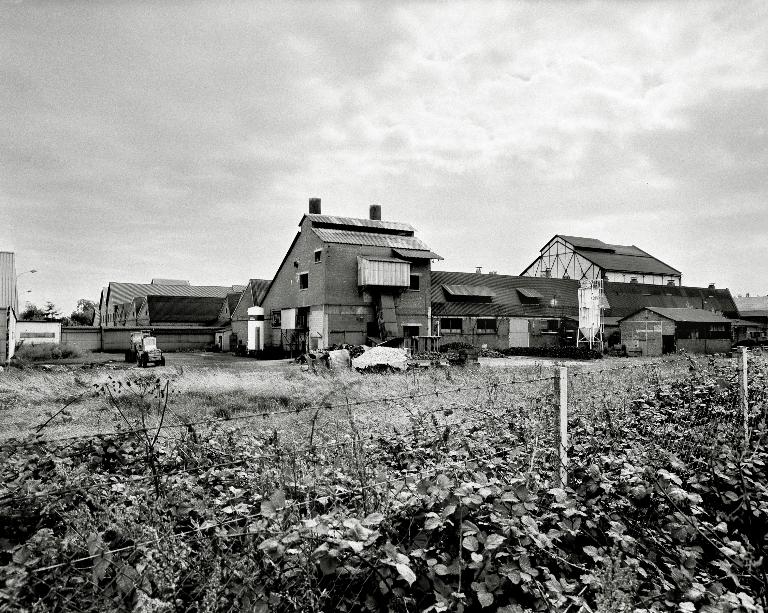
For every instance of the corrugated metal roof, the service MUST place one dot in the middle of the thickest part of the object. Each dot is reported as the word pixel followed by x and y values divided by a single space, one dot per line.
pixel 354 222
pixel 628 298
pixel 506 301
pixel 369 239
pixel 529 293
pixel 628 263
pixel 375 258
pixel 586 243
pixel 744 323
pixel 689 315
pixel 183 309
pixel 470 291
pixel 754 305
pixel 123 292
pixel 8 296
pixel 417 254
pixel 259 290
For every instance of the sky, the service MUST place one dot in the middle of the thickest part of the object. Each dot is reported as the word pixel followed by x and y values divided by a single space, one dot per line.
pixel 183 140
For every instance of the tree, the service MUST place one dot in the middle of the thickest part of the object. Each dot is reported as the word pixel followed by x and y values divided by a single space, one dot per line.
pixel 84 313
pixel 51 311
pixel 31 311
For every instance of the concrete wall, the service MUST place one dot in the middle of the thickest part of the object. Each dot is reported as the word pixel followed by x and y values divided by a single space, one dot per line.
pixel 7 334
pixel 168 339
pixel 37 332
pixel 87 338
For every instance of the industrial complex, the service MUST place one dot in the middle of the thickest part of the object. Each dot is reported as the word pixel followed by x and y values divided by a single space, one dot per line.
pixel 347 280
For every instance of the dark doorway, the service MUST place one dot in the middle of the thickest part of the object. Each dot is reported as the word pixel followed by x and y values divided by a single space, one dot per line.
pixel 668 343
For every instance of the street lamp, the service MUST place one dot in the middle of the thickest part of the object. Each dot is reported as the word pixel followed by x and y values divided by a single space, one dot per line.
pixel 25 272
pixel 16 299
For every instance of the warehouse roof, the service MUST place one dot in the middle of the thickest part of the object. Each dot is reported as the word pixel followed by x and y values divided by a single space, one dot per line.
pixel 559 297
pixel 753 306
pixel 686 315
pixel 618 258
pixel 626 298
pixel 183 309
pixel 124 292
pixel 348 237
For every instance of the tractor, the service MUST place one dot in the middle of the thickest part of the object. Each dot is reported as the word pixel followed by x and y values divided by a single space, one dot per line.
pixel 144 350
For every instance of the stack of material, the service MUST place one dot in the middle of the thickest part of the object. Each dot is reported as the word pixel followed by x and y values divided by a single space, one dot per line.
pixel 382 357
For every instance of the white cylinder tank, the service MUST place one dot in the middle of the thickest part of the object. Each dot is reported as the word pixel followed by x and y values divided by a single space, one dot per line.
pixel 256 328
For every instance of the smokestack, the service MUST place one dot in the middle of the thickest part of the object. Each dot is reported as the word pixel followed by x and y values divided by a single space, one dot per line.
pixel 374 212
pixel 314 206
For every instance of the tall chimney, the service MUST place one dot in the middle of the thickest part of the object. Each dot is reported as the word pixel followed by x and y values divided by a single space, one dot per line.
pixel 374 212
pixel 314 206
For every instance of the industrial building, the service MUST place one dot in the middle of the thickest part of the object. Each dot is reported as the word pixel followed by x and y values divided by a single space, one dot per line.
pixel 501 311
pixel 348 280
pixel 653 331
pixel 38 331
pixel 574 257
pixel 125 304
pixel 753 312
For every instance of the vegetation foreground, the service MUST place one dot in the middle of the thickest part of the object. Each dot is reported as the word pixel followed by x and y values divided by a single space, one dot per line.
pixel 216 491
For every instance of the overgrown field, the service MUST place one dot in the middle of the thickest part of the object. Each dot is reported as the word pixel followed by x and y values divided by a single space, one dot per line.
pixel 435 490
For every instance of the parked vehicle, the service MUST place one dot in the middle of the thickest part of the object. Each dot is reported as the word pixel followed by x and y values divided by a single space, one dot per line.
pixel 144 350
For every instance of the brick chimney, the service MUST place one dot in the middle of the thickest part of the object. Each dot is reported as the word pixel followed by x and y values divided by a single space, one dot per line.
pixel 374 212
pixel 314 206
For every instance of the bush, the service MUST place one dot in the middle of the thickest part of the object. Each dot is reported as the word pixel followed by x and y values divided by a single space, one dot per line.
pixel 47 351
pixel 567 353
pixel 458 346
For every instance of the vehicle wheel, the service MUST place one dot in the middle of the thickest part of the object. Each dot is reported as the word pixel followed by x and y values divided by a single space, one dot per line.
pixel 143 361
pixel 128 356
pixel 162 361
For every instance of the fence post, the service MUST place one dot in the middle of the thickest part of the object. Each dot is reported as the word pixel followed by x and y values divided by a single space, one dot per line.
pixel 743 390
pixel 561 393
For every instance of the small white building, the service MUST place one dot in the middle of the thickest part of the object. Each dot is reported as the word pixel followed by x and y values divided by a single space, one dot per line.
pixel 38 331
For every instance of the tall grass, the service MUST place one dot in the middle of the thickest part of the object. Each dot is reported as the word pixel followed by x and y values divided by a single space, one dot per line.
pixel 41 352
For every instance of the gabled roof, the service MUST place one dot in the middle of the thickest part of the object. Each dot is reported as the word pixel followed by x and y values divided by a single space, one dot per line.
pixel 183 309
pixel 355 224
pixel 232 300
pixel 506 300
pixel 686 315
pixel 626 298
pixel 617 258
pixel 347 237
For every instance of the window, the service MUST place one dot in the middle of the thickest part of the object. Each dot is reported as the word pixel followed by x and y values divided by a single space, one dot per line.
pixel 303 280
pixel 276 320
pixel 318 256
pixel 553 325
pixel 415 283
pixel 450 325
pixel 717 328
pixel 486 326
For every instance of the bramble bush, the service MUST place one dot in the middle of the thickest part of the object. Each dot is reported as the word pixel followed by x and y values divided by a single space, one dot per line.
pixel 461 517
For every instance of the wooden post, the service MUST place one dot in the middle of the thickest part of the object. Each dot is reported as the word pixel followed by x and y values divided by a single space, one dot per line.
pixel 743 390
pixel 561 393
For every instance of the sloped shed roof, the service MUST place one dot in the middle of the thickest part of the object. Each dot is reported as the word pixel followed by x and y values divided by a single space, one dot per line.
pixel 688 315
pixel 370 239
pixel 506 300
pixel 618 258
pixel 124 292
pixel 752 305
pixel 353 223
pixel 627 298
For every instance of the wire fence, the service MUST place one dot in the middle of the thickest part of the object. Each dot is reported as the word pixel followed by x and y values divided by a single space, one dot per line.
pixel 179 514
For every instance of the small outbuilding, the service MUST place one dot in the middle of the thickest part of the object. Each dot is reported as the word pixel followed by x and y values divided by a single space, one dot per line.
pixel 653 331
pixel 35 332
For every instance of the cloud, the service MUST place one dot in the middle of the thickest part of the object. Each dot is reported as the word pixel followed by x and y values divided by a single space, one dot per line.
pixel 198 131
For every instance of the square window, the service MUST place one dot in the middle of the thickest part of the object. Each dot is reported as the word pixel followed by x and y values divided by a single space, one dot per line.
pixel 303 280
pixel 318 256
pixel 450 325
pixel 486 326
pixel 415 283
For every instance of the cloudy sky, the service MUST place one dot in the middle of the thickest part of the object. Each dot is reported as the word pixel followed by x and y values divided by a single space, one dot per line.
pixel 183 140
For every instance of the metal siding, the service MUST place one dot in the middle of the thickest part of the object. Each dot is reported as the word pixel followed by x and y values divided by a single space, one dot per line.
pixel 373 272
pixel 8 296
